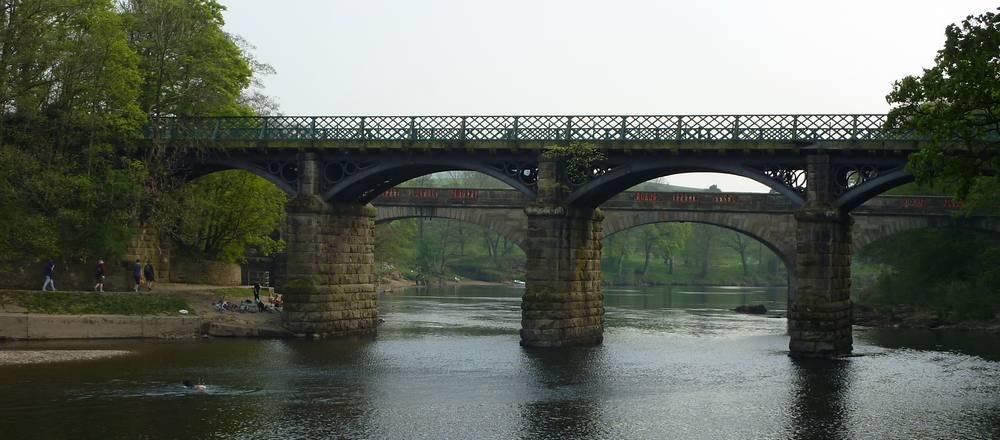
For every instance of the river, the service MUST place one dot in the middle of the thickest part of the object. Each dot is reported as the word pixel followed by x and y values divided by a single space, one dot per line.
pixel 675 363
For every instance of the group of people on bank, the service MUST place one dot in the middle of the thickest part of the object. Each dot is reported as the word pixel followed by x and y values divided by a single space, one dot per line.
pixel 143 276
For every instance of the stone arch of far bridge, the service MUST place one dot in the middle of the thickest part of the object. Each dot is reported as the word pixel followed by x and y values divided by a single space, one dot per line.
pixel 774 231
pixel 510 223
pixel 870 229
pixel 635 171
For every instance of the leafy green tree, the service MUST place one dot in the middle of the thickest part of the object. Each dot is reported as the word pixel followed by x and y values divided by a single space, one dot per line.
pixel 956 104
pixel 68 90
pixel 190 66
pixel 225 212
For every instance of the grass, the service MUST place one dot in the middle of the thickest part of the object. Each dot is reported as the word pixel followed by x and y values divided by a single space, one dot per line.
pixel 79 303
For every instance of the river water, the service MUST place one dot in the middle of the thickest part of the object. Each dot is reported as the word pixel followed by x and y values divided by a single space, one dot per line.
pixel 446 364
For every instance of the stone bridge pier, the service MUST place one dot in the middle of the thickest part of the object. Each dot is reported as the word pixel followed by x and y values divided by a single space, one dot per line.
pixel 328 285
pixel 563 304
pixel 819 311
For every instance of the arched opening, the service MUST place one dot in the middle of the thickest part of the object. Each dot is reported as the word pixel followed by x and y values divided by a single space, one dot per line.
pixel 691 175
pixel 426 250
pixel 365 181
pixel 692 265
pixel 712 182
pixel 928 276
pixel 224 227
pixel 447 225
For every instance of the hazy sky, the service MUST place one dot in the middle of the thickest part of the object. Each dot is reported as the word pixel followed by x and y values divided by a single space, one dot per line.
pixel 413 57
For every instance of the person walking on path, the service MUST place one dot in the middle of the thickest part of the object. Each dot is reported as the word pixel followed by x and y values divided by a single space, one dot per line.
pixel 137 274
pixel 99 274
pixel 147 272
pixel 50 268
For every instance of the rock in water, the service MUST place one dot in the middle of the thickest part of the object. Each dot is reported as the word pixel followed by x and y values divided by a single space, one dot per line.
pixel 753 309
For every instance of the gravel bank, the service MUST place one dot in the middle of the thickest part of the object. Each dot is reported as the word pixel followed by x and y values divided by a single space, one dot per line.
pixel 20 357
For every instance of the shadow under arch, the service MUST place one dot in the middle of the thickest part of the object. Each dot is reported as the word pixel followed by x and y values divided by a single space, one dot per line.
pixel 865 235
pixel 281 174
pixel 632 173
pixel 867 190
pixel 784 253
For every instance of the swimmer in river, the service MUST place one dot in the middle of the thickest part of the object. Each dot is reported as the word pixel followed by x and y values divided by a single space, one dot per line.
pixel 193 386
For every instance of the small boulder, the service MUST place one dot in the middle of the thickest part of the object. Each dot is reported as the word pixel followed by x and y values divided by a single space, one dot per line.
pixel 752 309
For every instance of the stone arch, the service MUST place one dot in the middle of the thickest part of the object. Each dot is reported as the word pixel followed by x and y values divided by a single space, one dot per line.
pixel 868 229
pixel 634 172
pixel 775 231
pixel 368 183
pixel 509 223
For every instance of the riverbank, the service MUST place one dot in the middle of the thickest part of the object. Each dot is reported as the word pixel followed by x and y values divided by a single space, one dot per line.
pixel 909 318
pixel 174 311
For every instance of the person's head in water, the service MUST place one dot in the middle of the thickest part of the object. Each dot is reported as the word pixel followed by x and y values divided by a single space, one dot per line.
pixel 191 385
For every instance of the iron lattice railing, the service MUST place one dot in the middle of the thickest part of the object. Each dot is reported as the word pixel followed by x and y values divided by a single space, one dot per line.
pixel 531 128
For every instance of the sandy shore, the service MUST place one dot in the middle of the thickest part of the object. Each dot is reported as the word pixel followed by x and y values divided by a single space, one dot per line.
pixel 21 357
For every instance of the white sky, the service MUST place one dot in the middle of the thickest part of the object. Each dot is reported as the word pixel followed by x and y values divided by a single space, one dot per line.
pixel 426 57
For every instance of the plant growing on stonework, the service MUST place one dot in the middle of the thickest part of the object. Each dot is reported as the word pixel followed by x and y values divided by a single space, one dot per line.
pixel 578 159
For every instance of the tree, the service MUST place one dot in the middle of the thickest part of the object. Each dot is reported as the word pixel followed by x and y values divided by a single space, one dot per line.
pixel 739 243
pixel 956 105
pixel 225 212
pixel 68 89
pixel 191 67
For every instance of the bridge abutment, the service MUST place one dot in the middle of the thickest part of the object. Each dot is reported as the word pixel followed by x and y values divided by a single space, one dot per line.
pixel 819 314
pixel 563 304
pixel 328 287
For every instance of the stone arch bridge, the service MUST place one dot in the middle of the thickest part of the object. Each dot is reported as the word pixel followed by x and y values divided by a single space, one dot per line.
pixel 824 166
pixel 768 218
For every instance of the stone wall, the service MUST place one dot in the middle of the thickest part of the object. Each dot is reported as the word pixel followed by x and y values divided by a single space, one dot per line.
pixel 149 246
pixel 212 273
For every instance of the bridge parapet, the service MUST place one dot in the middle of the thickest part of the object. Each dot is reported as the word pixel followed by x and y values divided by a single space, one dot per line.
pixel 599 128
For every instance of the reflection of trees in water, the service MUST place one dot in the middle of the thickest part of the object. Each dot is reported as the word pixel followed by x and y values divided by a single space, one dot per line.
pixel 569 391
pixel 818 400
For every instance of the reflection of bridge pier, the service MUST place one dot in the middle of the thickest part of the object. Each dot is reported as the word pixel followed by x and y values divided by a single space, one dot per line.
pixel 824 166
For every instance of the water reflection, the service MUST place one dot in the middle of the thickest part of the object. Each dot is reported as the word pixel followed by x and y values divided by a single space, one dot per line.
pixel 320 389
pixel 568 394
pixel 817 403
pixel 448 365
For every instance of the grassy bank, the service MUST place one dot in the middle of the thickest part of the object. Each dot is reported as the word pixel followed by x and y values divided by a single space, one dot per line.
pixel 91 303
